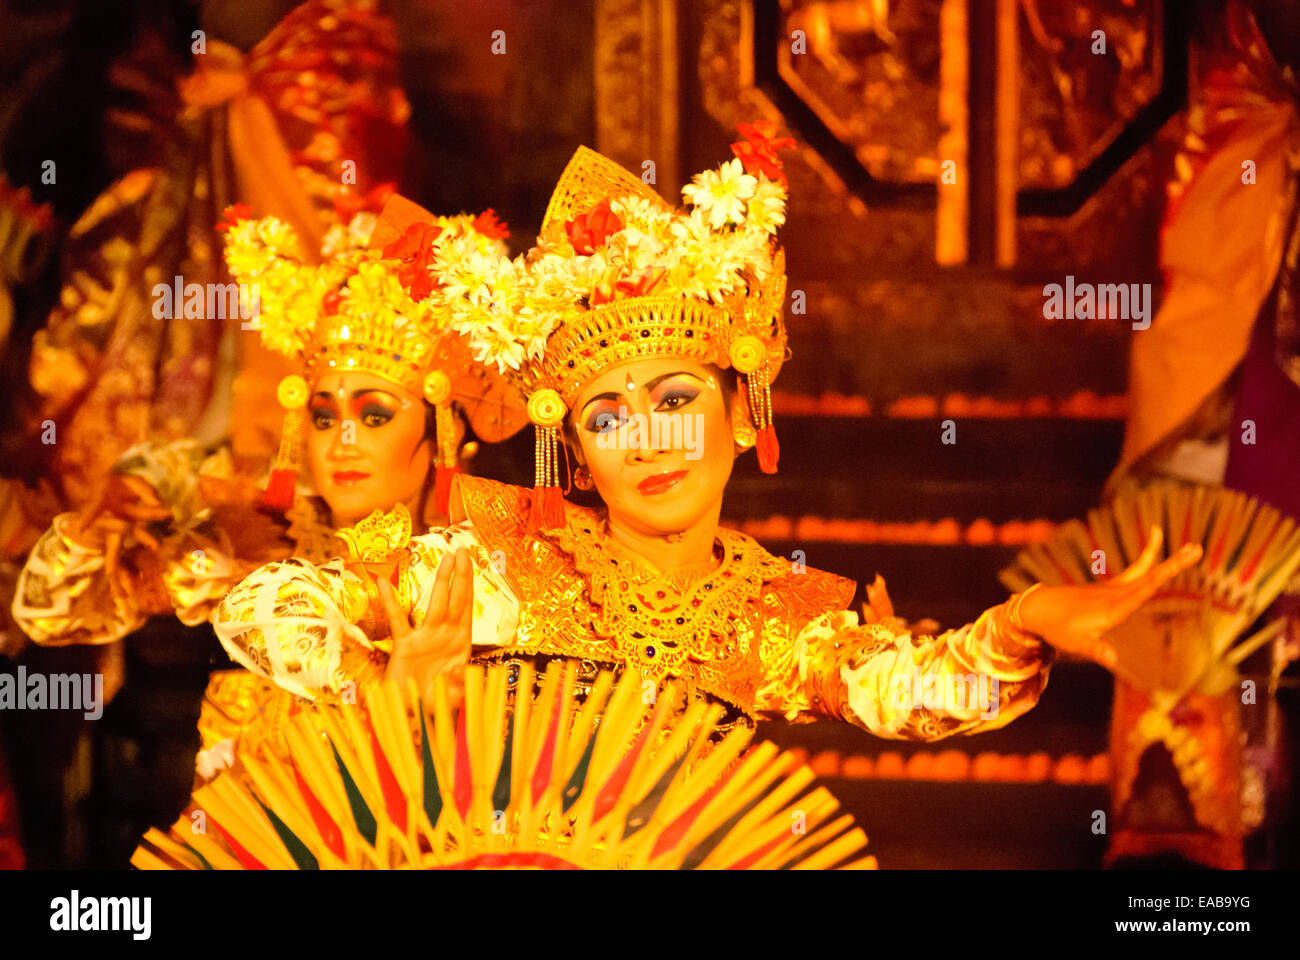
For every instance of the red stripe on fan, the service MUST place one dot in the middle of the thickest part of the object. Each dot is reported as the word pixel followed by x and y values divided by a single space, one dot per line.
pixel 463 789
pixel 1065 574
pixel 394 798
pixel 325 825
pixel 1216 555
pixel 608 795
pixel 1249 569
pixel 498 861
pixel 248 861
pixel 677 829
pixel 542 775
pixel 744 863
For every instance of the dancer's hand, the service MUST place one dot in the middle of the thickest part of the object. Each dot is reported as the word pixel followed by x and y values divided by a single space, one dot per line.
pixel 1077 618
pixel 123 502
pixel 119 516
pixel 880 609
pixel 441 644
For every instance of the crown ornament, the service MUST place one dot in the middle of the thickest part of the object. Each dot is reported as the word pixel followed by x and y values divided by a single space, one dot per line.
pixel 618 274
pixel 362 305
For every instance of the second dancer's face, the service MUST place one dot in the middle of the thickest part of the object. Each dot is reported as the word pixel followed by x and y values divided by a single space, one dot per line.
pixel 656 437
pixel 366 444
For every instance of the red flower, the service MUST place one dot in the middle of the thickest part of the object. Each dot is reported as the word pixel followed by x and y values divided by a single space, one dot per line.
pixel 591 229
pixel 605 287
pixel 642 283
pixel 611 286
pixel 349 203
pixel 757 152
pixel 755 161
pixel 488 224
pixel 414 248
pixel 232 215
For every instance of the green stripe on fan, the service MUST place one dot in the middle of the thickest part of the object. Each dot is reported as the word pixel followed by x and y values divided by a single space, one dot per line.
pixel 432 792
pixel 361 815
pixel 202 858
pixel 501 792
pixel 574 786
pixel 297 849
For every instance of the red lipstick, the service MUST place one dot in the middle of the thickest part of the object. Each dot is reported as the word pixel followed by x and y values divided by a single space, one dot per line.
pixel 661 482
pixel 347 477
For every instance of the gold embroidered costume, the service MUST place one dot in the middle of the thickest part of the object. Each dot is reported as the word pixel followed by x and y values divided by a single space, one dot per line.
pixel 754 635
pixel 619 275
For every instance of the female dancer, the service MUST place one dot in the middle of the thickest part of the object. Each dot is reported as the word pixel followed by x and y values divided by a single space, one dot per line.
pixel 645 340
pixel 177 530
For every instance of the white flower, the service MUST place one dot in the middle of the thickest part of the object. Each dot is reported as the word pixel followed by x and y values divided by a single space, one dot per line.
pixel 469 276
pixel 335 242
pixel 641 214
pixel 767 206
pixel 491 342
pixel 361 227
pixel 720 195
pixel 691 228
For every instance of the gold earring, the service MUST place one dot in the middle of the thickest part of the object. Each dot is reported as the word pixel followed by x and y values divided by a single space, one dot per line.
pixel 582 478
pixel 745 435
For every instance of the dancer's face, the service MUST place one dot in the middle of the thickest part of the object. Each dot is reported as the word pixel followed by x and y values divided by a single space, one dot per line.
pixel 366 444
pixel 656 436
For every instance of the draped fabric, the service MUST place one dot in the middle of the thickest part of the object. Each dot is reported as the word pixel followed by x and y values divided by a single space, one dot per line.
pixel 312 116
pixel 1235 184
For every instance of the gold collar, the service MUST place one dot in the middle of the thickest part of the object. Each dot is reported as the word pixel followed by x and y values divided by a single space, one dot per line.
pixel 658 620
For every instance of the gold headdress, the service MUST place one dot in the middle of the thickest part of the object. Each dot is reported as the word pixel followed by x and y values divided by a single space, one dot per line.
pixel 352 311
pixel 618 274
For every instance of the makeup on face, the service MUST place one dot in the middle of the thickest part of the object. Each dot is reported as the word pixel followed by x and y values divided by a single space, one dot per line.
pixel 659 456
pixel 368 406
pixel 366 445
pixel 667 393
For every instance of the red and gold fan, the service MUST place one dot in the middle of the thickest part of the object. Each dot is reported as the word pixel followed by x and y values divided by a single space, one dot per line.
pixel 551 781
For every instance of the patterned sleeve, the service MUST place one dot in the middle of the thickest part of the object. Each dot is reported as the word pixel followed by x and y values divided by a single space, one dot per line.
pixel 65 593
pixel 315 630
pixel 882 678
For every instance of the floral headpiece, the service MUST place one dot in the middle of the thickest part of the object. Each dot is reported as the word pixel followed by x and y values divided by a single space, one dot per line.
pixel 618 274
pixel 360 306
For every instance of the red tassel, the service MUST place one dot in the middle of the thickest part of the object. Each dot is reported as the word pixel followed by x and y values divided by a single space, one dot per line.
pixel 280 489
pixel 442 488
pixel 553 507
pixel 769 450
pixel 548 509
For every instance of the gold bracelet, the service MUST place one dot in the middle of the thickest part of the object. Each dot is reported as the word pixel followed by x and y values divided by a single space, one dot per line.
pixel 1013 610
